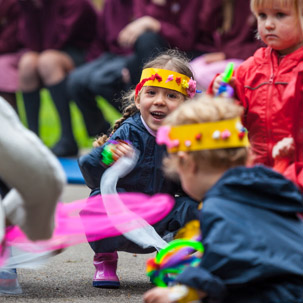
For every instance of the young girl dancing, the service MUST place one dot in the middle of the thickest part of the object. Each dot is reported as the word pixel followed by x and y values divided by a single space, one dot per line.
pixel 252 233
pixel 261 80
pixel 166 82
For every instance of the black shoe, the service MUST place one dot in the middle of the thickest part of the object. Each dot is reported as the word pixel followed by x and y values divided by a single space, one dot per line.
pixel 65 148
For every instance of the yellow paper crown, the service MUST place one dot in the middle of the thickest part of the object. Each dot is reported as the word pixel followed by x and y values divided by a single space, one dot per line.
pixel 167 79
pixel 209 135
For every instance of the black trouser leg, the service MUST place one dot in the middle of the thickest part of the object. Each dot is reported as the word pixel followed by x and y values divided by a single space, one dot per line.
pixel 85 99
pixel 147 46
pixel 11 99
pixel 67 145
pixel 32 108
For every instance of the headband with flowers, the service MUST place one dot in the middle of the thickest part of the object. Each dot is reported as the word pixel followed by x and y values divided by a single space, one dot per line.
pixel 167 79
pixel 201 136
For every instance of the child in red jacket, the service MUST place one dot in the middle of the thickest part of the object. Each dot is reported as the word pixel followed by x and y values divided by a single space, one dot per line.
pixel 261 80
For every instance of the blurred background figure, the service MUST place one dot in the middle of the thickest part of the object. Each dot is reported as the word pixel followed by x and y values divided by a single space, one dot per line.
pixel 159 25
pixel 10 50
pixel 57 34
pixel 98 3
pixel 130 32
pixel 103 75
pixel 227 32
pixel 31 183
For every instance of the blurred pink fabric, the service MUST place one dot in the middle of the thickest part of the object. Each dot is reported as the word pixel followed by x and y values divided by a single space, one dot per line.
pixel 9 71
pixel 88 220
pixel 204 72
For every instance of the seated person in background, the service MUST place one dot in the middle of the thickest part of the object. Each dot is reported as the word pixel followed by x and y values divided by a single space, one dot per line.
pixel 233 34
pixel 10 50
pixel 159 25
pixel 56 34
pixel 103 75
pixel 98 3
pixel 250 223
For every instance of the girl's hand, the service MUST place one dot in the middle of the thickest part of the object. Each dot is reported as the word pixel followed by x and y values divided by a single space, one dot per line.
pixel 218 81
pixel 177 293
pixel 131 32
pixel 115 150
pixel 285 148
pixel 157 295
pixel 159 2
pixel 123 149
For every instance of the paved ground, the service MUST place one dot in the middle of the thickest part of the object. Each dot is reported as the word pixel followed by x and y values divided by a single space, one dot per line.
pixel 67 277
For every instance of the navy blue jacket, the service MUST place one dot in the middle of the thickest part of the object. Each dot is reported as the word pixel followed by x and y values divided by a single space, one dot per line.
pixel 253 239
pixel 147 177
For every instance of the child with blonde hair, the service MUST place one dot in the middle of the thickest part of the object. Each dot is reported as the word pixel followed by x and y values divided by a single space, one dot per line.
pixel 165 84
pixel 261 80
pixel 251 230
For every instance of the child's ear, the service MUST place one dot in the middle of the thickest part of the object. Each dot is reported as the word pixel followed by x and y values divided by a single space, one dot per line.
pixel 187 162
pixel 137 102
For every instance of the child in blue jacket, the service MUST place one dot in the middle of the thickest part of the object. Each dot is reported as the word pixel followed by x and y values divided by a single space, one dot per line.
pixel 251 230
pixel 166 82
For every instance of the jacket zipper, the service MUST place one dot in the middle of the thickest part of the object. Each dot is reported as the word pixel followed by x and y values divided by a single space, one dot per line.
pixel 269 112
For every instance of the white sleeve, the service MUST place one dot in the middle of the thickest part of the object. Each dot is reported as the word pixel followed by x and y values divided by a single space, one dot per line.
pixel 34 174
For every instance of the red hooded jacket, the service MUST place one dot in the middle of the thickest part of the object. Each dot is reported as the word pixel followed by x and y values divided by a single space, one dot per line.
pixel 261 82
pixel 292 168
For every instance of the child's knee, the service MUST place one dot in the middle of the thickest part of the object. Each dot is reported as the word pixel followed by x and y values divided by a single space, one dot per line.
pixel 48 64
pixel 28 67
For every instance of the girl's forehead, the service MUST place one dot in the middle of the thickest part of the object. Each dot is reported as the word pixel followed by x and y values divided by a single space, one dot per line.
pixel 163 89
pixel 272 4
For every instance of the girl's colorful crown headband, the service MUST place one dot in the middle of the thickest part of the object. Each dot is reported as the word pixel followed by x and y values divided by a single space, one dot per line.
pixel 167 79
pixel 209 135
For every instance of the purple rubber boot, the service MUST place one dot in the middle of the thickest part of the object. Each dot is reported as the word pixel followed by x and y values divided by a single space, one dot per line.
pixel 106 266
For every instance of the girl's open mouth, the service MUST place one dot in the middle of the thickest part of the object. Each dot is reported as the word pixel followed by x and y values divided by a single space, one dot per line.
pixel 158 115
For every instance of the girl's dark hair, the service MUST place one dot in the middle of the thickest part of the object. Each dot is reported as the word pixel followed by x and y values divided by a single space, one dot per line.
pixel 170 60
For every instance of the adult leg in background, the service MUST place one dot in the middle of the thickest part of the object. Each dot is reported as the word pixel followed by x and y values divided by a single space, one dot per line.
pixel 29 82
pixel 101 77
pixel 147 46
pixel 54 66
pixel 11 99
